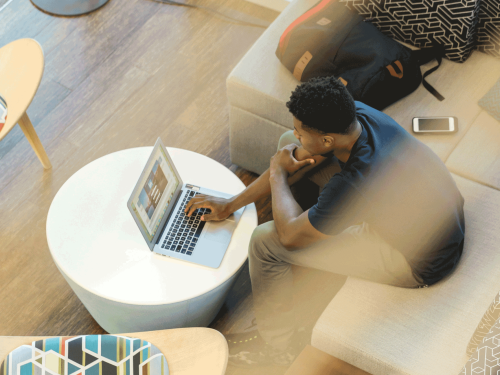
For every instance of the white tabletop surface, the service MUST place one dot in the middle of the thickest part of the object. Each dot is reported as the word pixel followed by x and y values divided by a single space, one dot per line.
pixel 95 242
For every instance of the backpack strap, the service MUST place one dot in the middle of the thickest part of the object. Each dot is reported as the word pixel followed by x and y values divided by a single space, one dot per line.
pixel 423 56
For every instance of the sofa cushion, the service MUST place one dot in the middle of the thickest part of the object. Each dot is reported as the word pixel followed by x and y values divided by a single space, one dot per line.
pixel 491 101
pixel 252 146
pixel 388 330
pixel 487 321
pixel 486 360
pixel 477 156
pixel 451 79
pixel 260 84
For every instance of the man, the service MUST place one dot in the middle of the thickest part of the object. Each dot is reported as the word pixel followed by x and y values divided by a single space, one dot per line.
pixel 389 211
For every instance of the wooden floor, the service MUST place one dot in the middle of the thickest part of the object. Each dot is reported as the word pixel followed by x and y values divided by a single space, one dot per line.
pixel 118 78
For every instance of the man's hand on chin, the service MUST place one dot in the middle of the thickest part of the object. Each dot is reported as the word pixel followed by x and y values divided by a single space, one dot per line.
pixel 300 154
pixel 284 163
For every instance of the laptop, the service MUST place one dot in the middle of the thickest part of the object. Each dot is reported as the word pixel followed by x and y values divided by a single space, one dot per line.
pixel 157 204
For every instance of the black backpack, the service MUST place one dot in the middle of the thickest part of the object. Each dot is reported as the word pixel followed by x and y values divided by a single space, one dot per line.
pixel 330 39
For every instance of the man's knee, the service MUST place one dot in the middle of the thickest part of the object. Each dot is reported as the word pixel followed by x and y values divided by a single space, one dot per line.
pixel 286 139
pixel 263 240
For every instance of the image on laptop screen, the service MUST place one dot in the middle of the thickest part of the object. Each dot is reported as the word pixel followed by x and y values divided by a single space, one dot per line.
pixel 158 186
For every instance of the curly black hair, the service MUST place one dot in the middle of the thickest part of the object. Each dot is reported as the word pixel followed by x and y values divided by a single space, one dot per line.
pixel 323 104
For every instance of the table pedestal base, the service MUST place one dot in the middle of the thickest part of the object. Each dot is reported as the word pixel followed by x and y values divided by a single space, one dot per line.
pixel 68 7
pixel 116 317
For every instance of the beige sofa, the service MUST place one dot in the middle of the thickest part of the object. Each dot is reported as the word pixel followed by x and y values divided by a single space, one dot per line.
pixel 378 328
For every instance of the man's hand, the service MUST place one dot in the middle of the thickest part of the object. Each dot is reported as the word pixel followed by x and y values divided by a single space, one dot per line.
pixel 283 161
pixel 301 154
pixel 219 207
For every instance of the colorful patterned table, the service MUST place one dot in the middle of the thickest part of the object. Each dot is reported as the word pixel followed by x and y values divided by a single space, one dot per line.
pixel 188 351
pixel 101 253
pixel 86 355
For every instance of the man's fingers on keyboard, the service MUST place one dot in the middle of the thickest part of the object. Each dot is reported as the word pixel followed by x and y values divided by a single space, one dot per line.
pixel 191 202
pixel 194 207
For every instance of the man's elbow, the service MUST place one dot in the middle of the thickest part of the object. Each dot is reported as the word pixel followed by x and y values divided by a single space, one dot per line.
pixel 284 240
pixel 287 242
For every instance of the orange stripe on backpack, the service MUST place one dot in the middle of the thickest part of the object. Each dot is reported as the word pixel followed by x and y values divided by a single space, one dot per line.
pixel 393 72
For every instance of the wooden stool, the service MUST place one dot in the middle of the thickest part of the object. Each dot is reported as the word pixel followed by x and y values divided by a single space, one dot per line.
pixel 21 70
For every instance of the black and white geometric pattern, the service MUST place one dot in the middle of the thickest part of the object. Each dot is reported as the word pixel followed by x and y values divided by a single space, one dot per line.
pixel 451 23
pixel 487 321
pixel 488 28
pixel 486 360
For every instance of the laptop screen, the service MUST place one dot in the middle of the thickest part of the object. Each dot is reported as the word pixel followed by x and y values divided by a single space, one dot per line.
pixel 157 187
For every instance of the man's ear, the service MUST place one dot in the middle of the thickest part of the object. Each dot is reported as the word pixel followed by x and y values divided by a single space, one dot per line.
pixel 328 141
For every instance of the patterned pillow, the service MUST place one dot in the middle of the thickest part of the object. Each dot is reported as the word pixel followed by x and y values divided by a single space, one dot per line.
pixel 486 360
pixel 86 355
pixel 489 318
pixel 491 101
pixel 488 30
pixel 450 23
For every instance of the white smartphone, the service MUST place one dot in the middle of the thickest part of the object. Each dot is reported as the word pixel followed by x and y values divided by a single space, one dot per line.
pixel 435 125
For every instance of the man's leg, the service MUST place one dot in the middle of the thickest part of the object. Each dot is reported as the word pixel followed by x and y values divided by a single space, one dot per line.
pixel 306 193
pixel 287 138
pixel 358 251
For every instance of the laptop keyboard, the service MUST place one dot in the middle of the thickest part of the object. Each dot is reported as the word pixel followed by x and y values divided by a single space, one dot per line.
pixel 185 231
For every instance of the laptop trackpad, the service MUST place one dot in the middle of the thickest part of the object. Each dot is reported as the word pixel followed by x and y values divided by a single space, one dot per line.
pixel 219 231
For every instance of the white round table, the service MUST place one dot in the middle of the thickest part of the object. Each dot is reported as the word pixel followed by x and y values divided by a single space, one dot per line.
pixel 101 253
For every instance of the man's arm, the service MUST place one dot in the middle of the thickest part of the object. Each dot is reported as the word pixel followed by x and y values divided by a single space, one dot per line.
pixel 292 224
pixel 261 187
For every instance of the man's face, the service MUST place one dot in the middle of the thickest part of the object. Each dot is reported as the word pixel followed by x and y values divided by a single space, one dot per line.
pixel 312 141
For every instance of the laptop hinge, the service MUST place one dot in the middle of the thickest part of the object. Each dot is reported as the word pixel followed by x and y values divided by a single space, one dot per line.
pixel 192 187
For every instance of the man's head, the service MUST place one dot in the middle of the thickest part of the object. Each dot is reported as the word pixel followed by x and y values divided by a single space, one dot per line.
pixel 324 114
